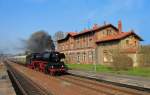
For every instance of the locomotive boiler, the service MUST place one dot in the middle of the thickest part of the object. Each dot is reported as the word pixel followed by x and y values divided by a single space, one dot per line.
pixel 48 62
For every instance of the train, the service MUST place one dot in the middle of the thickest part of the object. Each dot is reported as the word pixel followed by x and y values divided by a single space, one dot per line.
pixel 48 62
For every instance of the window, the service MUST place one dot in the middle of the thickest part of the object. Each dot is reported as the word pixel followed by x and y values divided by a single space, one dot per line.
pixel 46 55
pixel 107 56
pixel 108 32
pixel 93 55
pixel 89 56
pixel 71 46
pixel 135 42
pixel 84 39
pixel 77 43
pixel 84 56
pixel 103 32
pixel 127 42
pixel 78 58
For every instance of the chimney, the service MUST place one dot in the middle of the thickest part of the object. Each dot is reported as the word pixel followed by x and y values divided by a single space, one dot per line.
pixel 85 30
pixel 120 26
pixel 95 26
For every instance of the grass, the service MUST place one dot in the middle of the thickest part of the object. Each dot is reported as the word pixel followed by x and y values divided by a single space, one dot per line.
pixel 144 72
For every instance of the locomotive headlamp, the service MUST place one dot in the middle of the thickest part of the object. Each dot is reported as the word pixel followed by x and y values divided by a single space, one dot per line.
pixel 52 67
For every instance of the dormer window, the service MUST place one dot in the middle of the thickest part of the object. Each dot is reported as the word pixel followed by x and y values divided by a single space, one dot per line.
pixel 108 32
pixel 103 32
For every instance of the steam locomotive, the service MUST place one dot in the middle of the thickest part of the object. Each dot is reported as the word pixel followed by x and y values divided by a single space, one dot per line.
pixel 47 62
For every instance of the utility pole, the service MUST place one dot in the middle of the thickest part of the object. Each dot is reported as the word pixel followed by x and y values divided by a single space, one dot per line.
pixel 95 69
pixel 93 53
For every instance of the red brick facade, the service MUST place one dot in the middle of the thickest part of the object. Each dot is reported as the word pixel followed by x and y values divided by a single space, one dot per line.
pixel 82 47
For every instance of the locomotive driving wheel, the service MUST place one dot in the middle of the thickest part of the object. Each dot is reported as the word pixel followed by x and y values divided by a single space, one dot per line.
pixel 52 73
pixel 46 71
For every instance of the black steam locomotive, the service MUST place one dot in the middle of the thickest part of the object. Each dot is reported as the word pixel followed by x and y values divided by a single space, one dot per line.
pixel 48 62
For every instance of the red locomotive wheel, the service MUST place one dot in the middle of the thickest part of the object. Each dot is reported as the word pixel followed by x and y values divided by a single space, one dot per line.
pixel 52 73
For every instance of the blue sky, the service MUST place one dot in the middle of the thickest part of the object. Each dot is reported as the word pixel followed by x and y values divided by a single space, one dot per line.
pixel 20 18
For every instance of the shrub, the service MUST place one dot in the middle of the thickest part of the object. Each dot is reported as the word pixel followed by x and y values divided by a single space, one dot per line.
pixel 121 62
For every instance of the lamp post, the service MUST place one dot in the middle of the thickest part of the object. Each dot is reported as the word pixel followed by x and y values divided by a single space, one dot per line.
pixel 94 61
pixel 93 53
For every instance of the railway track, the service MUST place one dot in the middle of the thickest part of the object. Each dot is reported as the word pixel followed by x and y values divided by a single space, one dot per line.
pixel 28 87
pixel 23 85
pixel 107 89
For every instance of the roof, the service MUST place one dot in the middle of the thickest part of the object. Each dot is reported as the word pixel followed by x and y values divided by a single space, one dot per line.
pixel 94 29
pixel 118 36
pixel 72 34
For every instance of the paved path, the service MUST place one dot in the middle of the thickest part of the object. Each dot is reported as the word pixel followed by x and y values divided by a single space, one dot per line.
pixel 123 79
pixel 6 87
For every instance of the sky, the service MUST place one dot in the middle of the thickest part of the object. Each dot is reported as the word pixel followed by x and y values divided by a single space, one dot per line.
pixel 20 18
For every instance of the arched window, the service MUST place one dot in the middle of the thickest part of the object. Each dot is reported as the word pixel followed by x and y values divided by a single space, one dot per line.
pixel 107 56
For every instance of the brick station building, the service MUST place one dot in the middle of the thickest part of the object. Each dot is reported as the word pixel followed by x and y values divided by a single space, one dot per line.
pixel 91 46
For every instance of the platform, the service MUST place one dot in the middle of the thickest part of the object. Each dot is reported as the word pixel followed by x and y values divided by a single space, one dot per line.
pixel 120 79
pixel 6 87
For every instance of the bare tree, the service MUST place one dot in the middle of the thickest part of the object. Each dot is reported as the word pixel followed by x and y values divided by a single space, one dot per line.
pixel 40 41
pixel 57 36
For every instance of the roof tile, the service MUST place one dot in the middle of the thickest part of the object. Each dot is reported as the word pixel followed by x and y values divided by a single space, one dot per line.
pixel 117 37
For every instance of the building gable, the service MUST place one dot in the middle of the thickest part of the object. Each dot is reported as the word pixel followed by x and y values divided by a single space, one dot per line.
pixel 95 28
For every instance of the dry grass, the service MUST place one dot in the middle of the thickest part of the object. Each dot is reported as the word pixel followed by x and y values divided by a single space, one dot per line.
pixel 120 61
